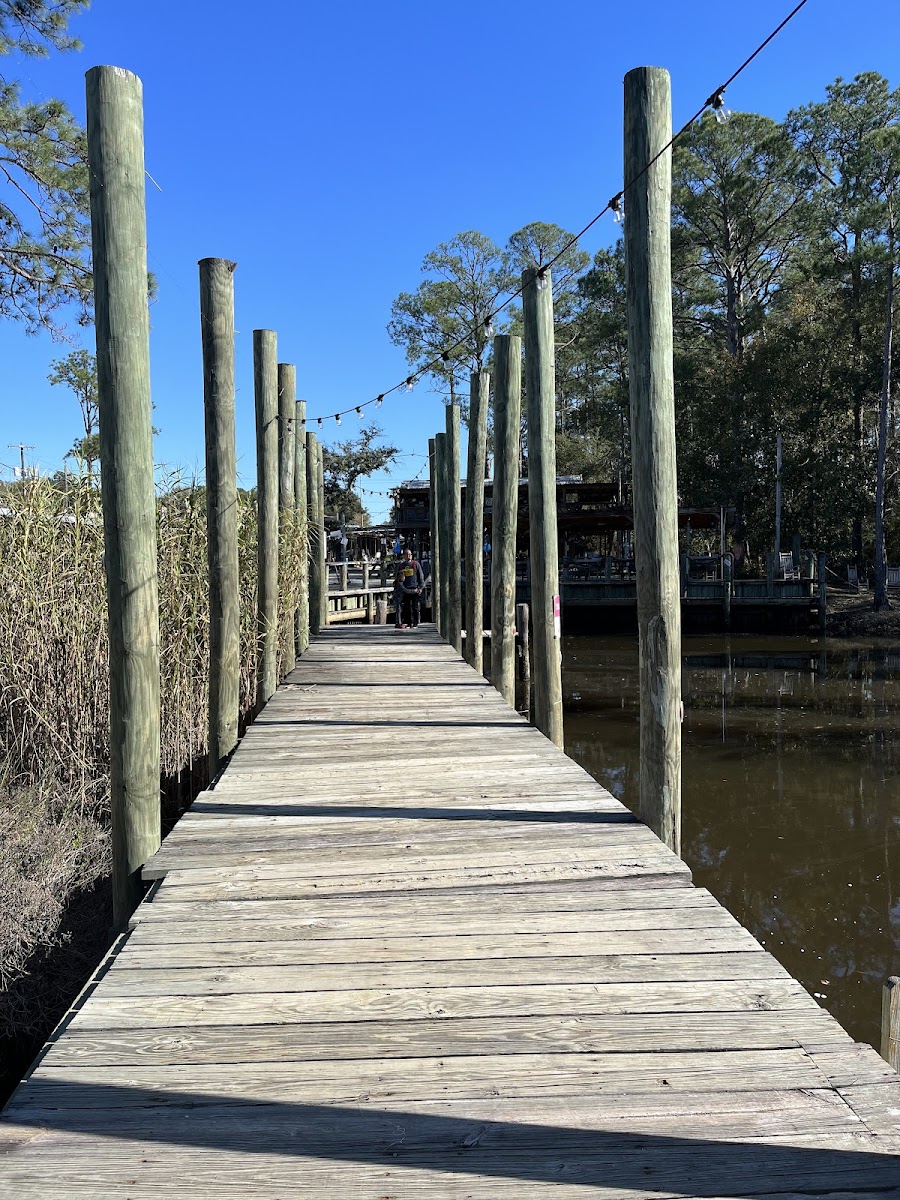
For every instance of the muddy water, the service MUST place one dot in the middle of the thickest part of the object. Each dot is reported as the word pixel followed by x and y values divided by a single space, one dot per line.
pixel 791 793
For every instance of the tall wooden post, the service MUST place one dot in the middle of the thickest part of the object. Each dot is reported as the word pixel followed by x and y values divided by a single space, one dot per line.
pixel 504 512
pixel 823 593
pixel 435 539
pixel 540 393
pixel 648 122
pixel 453 556
pixel 217 337
pixel 441 489
pixel 265 381
pixel 321 542
pixel 115 139
pixel 287 454
pixel 478 413
pixel 314 527
pixel 301 516
pixel 890 1022
pixel 287 450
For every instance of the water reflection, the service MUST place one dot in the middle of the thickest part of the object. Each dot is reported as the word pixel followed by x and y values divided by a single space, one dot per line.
pixel 791 793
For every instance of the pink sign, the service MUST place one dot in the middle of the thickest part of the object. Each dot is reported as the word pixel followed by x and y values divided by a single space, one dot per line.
pixel 557 630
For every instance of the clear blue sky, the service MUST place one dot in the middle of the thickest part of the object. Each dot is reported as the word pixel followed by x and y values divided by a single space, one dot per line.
pixel 328 148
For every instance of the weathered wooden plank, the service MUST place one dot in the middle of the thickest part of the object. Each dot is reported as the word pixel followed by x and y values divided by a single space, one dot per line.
pixel 399 1004
pixel 392 1080
pixel 298 930
pixel 583 1033
pixel 426 946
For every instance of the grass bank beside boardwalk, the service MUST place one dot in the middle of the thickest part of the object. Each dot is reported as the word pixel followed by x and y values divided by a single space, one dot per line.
pixel 54 724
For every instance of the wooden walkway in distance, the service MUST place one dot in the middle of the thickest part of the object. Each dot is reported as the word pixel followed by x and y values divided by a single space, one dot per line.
pixel 405 948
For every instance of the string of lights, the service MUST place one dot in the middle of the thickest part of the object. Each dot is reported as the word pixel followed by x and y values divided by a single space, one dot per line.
pixel 715 103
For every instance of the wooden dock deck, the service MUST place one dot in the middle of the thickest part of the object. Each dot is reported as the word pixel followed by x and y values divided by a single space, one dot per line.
pixel 405 948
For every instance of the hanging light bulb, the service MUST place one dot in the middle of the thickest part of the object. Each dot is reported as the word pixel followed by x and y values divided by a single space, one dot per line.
pixel 488 327
pixel 445 356
pixel 542 278
pixel 617 208
pixel 337 417
pixel 378 402
pixel 320 422
pixel 359 411
pixel 409 383
pixel 717 103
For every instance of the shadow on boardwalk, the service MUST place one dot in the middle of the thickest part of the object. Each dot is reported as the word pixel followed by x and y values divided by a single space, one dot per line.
pixel 443 1142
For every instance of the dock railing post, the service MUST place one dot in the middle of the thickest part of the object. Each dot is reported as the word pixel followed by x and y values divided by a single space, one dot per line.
pixel 301 516
pixel 287 456
pixel 452 543
pixel 727 573
pixel 648 123
pixel 540 395
pixel 314 527
pixel 823 593
pixel 435 539
pixel 479 386
pixel 890 1022
pixel 217 339
pixel 265 379
pixel 115 143
pixel 504 512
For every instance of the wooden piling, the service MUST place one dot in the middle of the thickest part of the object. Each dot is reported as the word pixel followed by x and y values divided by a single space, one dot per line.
pixel 287 456
pixel 316 580
pixel 301 516
pixel 540 392
pixel 648 123
pixel 504 512
pixel 440 454
pixel 321 542
pixel 453 556
pixel 523 649
pixel 435 557
pixel 890 1022
pixel 479 387
pixel 217 339
pixel 115 147
pixel 287 451
pixel 265 386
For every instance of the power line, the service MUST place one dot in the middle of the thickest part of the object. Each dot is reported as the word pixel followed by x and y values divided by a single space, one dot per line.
pixel 715 102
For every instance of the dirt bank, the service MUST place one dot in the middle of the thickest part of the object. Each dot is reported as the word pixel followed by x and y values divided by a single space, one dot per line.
pixel 852 615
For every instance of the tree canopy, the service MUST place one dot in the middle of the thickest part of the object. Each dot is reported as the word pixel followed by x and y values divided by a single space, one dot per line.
pixel 784 253
pixel 44 231
pixel 346 463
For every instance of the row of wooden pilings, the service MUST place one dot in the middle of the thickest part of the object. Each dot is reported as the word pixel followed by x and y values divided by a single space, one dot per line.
pixel 290 486
pixel 289 471
pixel 290 481
pixel 647 205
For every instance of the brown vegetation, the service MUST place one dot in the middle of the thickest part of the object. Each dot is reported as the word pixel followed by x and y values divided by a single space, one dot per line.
pixel 54 741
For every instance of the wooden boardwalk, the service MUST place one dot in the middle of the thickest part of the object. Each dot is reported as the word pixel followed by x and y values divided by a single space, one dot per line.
pixel 405 948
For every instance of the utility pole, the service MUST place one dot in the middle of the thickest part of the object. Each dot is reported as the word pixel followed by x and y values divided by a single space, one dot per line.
pixel 21 447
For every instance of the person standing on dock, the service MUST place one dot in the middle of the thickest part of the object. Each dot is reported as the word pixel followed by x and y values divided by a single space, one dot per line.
pixel 413 585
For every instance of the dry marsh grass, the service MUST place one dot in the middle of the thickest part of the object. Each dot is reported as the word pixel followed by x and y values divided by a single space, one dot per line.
pixel 54 718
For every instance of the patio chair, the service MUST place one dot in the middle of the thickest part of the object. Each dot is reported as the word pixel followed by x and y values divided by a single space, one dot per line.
pixel 786 564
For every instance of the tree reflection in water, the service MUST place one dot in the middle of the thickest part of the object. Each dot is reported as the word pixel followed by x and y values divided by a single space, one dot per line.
pixel 791 793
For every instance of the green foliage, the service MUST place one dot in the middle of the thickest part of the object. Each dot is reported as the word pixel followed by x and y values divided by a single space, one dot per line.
pixel 44 204
pixel 348 462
